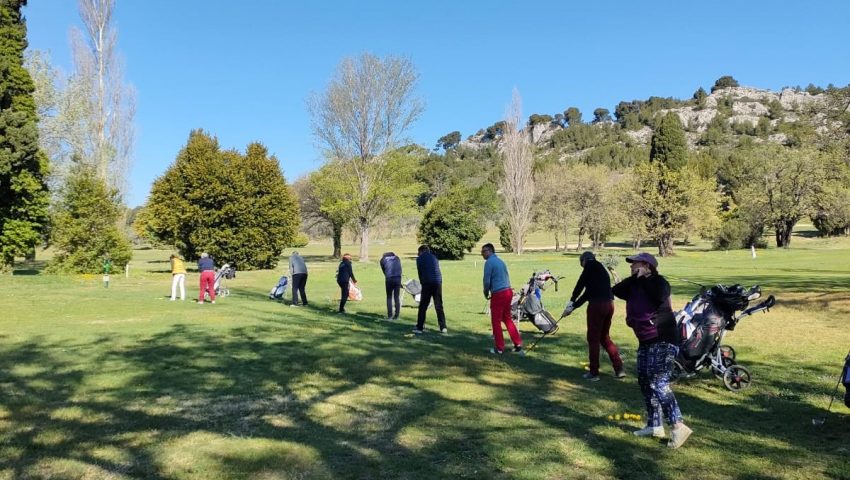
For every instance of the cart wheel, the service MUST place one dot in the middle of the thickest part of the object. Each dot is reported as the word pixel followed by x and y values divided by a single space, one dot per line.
pixel 727 362
pixel 727 352
pixel 737 378
pixel 677 371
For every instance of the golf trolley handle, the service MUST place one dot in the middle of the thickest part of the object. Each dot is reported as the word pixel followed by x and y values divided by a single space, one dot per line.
pixel 763 306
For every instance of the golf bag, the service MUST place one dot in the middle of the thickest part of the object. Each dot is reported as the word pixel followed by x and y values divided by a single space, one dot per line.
pixel 527 303
pixel 414 288
pixel 702 324
pixel 278 291
pixel 845 379
pixel 226 272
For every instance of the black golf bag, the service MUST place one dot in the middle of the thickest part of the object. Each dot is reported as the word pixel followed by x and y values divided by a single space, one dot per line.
pixel 845 379
pixel 702 324
pixel 709 314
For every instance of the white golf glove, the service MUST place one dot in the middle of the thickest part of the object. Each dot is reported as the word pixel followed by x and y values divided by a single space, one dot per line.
pixel 568 309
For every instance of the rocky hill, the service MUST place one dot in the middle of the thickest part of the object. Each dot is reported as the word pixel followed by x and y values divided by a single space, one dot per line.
pixel 724 116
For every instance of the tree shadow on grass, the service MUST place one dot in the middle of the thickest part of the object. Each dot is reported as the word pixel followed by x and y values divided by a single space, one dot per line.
pixel 339 396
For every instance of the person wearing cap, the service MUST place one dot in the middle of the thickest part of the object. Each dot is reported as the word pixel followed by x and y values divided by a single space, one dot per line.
pixel 344 274
pixel 497 288
pixel 298 271
pixel 178 277
pixel 650 315
pixel 206 266
pixel 594 288
pixel 391 266
pixel 428 269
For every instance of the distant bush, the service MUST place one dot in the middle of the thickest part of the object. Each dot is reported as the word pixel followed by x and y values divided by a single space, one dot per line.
pixel 300 240
pixel 735 233
pixel 85 226
pixel 450 227
pixel 536 119
pixel 726 81
pixel 505 236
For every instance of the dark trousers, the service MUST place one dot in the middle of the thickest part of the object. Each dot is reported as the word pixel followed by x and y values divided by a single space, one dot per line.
pixel 299 282
pixel 343 287
pixel 599 316
pixel 393 285
pixel 429 291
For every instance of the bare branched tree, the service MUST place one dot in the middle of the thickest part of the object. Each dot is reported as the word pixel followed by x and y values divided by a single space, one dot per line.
pixel 518 183
pixel 369 103
pixel 103 109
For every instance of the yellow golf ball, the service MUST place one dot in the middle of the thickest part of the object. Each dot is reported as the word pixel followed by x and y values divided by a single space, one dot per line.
pixel 617 417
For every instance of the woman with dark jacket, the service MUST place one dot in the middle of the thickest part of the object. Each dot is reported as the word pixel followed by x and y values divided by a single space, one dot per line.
pixel 343 275
pixel 649 314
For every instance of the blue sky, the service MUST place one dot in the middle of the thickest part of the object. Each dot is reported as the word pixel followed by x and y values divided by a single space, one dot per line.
pixel 242 70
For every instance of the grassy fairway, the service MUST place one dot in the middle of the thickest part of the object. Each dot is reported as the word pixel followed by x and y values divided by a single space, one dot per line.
pixel 121 383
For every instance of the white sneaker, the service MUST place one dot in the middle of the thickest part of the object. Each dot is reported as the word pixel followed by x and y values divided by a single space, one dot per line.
pixel 172 299
pixel 657 432
pixel 444 330
pixel 416 331
pixel 678 435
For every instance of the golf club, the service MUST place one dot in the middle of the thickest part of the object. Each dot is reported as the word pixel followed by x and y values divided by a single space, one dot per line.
pixel 818 421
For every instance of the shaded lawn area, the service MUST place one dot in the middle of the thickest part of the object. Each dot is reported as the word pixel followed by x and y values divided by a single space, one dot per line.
pixel 121 383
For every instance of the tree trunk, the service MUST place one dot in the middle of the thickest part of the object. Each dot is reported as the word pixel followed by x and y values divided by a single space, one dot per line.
pixel 337 240
pixel 565 239
pixel 783 233
pixel 665 245
pixel 364 241
pixel 557 244
pixel 580 238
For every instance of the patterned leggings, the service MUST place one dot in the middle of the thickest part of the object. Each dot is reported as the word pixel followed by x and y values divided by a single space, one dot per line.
pixel 654 365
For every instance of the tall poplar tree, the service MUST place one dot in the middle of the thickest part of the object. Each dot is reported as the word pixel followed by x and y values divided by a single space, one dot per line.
pixel 23 167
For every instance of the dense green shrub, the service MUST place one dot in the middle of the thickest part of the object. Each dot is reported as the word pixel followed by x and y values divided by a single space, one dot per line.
pixel 300 240
pixel 736 233
pixel 582 136
pixel 725 81
pixel 85 226
pixel 236 207
pixel 451 225
pixel 536 119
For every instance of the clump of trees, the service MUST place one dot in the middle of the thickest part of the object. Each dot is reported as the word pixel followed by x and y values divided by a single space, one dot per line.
pixel 235 206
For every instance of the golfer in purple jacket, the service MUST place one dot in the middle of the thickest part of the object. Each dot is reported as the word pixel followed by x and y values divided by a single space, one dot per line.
pixel 648 312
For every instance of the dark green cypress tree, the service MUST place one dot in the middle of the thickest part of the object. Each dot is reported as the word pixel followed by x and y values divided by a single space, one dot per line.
pixel 669 145
pixel 24 199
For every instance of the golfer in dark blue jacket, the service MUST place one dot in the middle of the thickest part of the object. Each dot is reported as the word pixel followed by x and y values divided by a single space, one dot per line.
pixel 343 274
pixel 391 266
pixel 428 268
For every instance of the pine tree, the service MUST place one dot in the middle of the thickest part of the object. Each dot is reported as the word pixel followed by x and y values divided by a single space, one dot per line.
pixel 23 167
pixel 85 227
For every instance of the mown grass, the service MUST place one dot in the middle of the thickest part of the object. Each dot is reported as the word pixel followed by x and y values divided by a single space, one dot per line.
pixel 121 383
